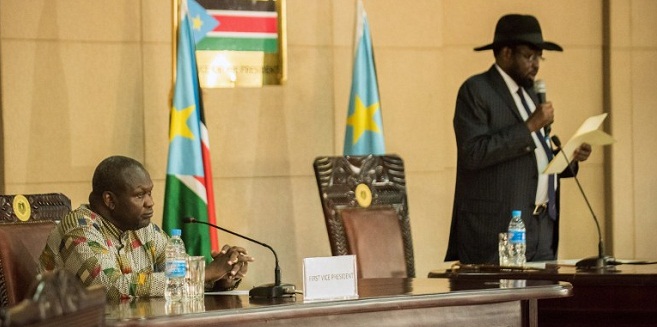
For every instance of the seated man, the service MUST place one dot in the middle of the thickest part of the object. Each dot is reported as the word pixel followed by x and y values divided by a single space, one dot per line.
pixel 112 242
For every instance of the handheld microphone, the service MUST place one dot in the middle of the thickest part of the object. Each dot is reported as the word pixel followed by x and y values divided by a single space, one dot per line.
pixel 539 89
pixel 601 262
pixel 275 290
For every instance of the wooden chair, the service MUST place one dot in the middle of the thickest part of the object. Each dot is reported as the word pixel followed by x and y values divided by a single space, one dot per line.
pixel 366 212
pixel 25 223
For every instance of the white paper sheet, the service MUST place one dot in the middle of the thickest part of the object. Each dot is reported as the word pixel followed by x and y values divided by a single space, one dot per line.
pixel 587 133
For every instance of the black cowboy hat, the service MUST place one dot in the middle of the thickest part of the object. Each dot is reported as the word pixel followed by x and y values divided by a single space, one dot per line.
pixel 519 29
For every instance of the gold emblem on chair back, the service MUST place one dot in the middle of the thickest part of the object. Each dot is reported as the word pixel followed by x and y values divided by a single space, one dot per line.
pixel 361 183
pixel 25 223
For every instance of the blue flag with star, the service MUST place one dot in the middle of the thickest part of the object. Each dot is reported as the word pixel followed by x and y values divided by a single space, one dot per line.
pixel 201 22
pixel 364 132
pixel 188 190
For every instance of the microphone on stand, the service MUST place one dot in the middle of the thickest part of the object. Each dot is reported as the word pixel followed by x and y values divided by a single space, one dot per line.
pixel 602 261
pixel 275 290
pixel 539 89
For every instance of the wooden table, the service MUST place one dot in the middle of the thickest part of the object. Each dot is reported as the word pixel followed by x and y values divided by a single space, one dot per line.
pixel 624 297
pixel 382 302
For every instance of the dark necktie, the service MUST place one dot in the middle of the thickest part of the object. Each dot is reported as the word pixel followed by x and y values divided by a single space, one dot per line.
pixel 552 194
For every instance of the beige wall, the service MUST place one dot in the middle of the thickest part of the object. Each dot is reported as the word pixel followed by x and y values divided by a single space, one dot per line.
pixel 633 57
pixel 82 80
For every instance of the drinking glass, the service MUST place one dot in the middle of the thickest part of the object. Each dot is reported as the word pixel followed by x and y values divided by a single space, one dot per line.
pixel 503 248
pixel 195 277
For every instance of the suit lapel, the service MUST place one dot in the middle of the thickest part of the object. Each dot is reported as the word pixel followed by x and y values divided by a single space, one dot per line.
pixel 497 83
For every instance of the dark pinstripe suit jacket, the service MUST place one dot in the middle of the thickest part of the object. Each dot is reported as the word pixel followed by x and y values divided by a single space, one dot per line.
pixel 496 170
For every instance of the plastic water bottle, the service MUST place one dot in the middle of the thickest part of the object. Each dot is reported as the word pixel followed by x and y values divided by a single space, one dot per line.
pixel 176 267
pixel 517 239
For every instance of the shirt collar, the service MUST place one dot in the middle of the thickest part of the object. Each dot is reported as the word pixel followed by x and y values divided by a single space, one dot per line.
pixel 510 83
pixel 111 228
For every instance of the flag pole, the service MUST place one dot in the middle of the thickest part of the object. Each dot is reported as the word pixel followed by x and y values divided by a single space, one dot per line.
pixel 174 47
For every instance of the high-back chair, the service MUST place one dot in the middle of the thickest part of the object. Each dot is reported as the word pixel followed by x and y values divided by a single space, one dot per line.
pixel 366 212
pixel 25 223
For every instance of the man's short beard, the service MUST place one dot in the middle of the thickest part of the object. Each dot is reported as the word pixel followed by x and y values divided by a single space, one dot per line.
pixel 525 82
pixel 514 72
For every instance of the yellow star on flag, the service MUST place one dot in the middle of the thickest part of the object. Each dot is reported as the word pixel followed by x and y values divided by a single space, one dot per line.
pixel 178 123
pixel 363 119
pixel 197 23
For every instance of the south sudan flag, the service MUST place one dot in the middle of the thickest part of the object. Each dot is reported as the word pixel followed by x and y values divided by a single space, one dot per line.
pixel 244 25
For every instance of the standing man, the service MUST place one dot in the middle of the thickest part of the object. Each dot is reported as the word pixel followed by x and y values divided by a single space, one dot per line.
pixel 112 241
pixel 502 135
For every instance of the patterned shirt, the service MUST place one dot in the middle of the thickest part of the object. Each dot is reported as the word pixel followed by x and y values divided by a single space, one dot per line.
pixel 129 264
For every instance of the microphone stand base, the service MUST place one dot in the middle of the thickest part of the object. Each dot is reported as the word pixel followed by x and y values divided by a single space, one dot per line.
pixel 601 264
pixel 271 291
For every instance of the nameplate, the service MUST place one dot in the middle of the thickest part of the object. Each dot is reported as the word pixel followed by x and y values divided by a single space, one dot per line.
pixel 330 278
